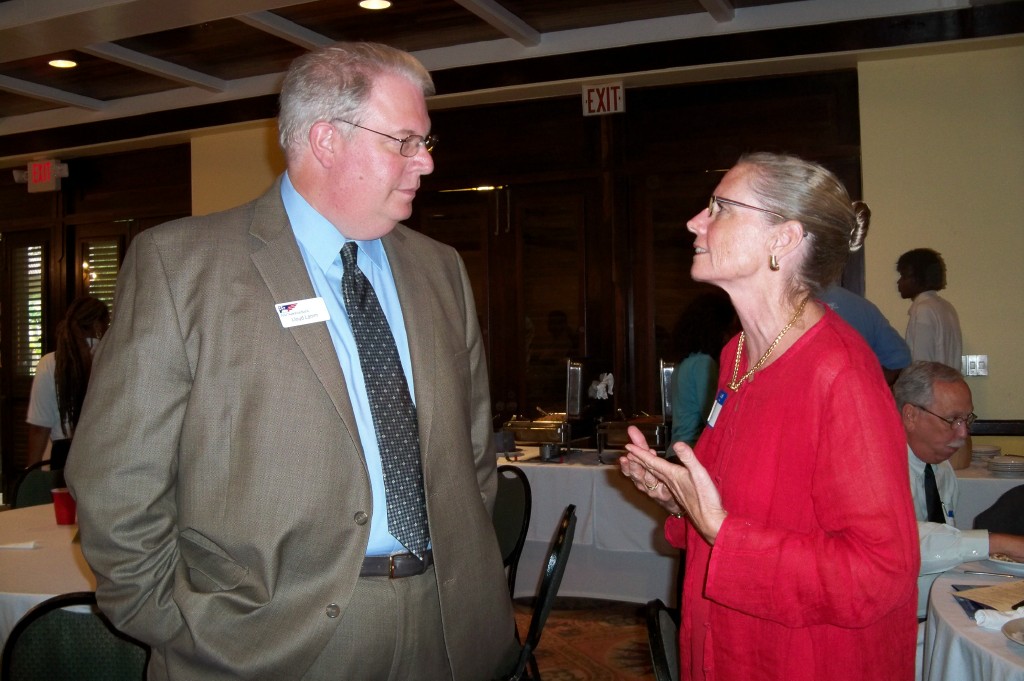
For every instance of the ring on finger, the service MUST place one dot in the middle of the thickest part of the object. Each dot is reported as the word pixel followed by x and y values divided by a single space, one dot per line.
pixel 653 487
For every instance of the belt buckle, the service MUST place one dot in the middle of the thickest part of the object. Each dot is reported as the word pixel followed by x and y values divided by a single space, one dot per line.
pixel 391 566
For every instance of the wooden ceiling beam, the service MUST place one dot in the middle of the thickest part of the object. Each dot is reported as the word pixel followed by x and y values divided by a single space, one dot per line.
pixel 720 10
pixel 154 66
pixel 50 94
pixel 275 25
pixel 500 18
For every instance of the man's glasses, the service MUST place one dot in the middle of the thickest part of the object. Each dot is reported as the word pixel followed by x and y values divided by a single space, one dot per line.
pixel 953 423
pixel 410 145
pixel 716 200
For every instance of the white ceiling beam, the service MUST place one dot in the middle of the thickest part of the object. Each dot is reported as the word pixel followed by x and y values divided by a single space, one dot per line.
pixel 720 10
pixel 154 66
pixel 500 18
pixel 50 94
pixel 276 25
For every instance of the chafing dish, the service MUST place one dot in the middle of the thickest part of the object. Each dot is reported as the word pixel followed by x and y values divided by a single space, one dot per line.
pixel 657 428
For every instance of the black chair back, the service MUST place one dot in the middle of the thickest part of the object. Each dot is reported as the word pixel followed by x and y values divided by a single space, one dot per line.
pixel 1006 515
pixel 663 636
pixel 554 569
pixel 512 506
pixel 50 643
pixel 32 488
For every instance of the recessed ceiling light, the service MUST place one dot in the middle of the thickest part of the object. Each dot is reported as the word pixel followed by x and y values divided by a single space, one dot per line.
pixel 62 63
pixel 374 4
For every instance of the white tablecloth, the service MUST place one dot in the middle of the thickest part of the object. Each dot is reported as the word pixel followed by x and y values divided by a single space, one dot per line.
pixel 956 648
pixel 979 489
pixel 619 552
pixel 30 576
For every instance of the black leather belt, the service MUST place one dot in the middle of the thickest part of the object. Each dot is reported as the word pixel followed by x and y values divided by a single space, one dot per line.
pixel 396 566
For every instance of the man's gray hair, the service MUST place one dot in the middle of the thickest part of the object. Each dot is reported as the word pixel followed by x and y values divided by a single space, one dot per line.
pixel 914 386
pixel 335 82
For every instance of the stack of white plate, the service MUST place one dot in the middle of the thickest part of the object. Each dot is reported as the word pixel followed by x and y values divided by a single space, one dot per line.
pixel 1006 466
pixel 982 453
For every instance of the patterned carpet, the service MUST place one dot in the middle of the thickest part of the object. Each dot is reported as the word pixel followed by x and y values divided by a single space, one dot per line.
pixel 591 640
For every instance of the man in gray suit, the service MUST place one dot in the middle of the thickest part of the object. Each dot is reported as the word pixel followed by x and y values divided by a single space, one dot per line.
pixel 230 485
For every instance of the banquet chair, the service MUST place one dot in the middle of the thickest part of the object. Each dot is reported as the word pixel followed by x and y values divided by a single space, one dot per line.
pixel 1005 515
pixel 50 643
pixel 663 635
pixel 511 517
pixel 554 568
pixel 32 488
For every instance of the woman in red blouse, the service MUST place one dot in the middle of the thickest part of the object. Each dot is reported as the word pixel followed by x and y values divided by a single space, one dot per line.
pixel 794 507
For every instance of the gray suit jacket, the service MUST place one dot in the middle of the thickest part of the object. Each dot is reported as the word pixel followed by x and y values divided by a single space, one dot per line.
pixel 222 490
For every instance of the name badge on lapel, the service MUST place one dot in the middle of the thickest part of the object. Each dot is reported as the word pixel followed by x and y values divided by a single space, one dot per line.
pixel 301 312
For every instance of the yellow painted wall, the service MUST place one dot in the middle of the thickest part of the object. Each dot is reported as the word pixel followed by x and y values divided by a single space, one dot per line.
pixel 234 165
pixel 942 139
pixel 943 166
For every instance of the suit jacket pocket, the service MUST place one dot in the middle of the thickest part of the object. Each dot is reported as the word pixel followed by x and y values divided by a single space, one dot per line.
pixel 209 566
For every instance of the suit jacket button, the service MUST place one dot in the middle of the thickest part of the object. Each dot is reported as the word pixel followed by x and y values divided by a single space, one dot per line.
pixel 360 517
pixel 333 610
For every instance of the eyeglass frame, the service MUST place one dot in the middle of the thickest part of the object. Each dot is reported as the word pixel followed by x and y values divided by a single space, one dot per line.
pixel 952 423
pixel 427 142
pixel 729 202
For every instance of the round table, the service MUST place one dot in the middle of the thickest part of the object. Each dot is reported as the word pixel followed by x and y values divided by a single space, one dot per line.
pixel 28 577
pixel 955 647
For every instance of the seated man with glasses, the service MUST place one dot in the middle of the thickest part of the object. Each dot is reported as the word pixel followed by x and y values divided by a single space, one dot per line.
pixel 937 411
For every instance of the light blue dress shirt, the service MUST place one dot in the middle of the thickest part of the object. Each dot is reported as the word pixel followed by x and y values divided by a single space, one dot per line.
pixel 320 244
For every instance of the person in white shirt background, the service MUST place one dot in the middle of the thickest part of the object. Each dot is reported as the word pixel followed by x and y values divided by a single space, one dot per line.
pixel 933 329
pixel 61 379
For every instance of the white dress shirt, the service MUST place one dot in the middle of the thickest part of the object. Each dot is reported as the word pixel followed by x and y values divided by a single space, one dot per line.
pixel 942 546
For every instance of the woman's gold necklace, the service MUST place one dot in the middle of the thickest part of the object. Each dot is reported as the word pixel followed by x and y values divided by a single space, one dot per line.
pixel 734 384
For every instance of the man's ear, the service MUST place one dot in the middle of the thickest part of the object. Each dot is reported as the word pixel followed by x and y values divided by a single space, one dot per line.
pixel 324 140
pixel 908 414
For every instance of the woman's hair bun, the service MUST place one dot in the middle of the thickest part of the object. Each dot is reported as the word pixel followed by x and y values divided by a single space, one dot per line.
pixel 862 216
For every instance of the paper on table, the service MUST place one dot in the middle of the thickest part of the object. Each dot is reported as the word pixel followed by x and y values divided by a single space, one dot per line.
pixel 998 596
pixel 22 545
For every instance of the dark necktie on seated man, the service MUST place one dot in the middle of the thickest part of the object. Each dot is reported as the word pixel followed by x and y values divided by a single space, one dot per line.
pixel 394 414
pixel 931 496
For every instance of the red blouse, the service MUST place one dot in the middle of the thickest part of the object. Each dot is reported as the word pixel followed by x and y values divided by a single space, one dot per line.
pixel 813 574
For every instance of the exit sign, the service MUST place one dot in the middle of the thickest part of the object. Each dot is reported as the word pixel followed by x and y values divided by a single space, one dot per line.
pixel 606 98
pixel 44 176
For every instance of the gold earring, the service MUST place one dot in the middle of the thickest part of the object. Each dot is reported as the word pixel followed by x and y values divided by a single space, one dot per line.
pixel 773 263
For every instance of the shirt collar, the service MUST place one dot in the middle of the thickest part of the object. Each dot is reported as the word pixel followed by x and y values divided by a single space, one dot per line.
pixel 916 465
pixel 318 237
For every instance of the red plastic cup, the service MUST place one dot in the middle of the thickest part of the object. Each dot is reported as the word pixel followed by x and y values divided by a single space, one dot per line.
pixel 63 506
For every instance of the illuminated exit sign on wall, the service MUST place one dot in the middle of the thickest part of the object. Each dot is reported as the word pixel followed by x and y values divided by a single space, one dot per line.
pixel 42 176
pixel 602 99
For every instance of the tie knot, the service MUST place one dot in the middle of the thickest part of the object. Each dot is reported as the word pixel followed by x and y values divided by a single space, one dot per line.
pixel 348 254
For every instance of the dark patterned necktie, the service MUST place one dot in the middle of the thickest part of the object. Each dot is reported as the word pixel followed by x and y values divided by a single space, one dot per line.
pixel 394 415
pixel 931 496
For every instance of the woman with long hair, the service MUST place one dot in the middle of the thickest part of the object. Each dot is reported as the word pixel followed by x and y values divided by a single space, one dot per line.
pixel 61 379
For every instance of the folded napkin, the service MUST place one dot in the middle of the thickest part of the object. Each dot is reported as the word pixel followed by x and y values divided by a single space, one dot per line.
pixel 995 619
pixel 22 545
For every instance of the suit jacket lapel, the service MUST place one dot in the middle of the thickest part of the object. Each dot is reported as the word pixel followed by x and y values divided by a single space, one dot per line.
pixel 279 262
pixel 418 309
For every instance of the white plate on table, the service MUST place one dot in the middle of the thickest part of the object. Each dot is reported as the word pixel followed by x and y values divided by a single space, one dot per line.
pixel 1014 630
pixel 1006 566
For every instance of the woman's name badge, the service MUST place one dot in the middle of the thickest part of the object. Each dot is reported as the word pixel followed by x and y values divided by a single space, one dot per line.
pixel 716 407
pixel 301 312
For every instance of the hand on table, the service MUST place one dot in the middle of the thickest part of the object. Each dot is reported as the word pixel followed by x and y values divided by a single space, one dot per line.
pixel 683 488
pixel 1010 545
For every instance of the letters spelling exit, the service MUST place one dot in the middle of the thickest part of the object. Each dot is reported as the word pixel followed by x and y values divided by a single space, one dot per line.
pixel 603 99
